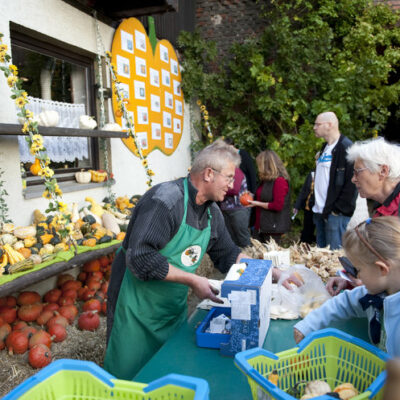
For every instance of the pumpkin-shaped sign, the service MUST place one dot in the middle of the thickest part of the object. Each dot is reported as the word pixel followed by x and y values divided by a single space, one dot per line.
pixel 151 84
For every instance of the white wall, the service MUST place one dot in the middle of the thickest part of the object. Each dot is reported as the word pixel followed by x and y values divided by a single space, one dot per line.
pixel 59 20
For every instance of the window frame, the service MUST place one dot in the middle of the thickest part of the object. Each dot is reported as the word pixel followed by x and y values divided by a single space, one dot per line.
pixel 45 45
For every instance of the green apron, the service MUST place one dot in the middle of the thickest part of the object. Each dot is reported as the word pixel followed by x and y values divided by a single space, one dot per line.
pixel 148 312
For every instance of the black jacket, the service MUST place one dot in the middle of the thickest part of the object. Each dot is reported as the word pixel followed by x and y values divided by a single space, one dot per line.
pixel 248 168
pixel 342 194
pixel 306 196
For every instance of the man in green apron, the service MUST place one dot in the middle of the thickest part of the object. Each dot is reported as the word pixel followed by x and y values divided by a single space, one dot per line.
pixel 172 227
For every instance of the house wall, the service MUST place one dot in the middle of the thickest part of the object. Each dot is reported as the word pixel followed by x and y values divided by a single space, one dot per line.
pixel 59 20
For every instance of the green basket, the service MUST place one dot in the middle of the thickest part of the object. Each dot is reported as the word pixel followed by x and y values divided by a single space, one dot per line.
pixel 329 355
pixel 84 380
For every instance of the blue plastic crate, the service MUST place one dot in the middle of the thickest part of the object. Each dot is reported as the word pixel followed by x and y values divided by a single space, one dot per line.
pixel 212 340
pixel 83 380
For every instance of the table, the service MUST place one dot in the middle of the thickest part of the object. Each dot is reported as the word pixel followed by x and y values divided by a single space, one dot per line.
pixel 35 276
pixel 181 355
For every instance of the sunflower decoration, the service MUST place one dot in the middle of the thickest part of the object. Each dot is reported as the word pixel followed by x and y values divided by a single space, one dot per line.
pixel 35 143
pixel 205 116
pixel 123 112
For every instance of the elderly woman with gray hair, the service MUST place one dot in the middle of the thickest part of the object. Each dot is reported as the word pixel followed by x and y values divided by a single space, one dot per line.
pixel 376 176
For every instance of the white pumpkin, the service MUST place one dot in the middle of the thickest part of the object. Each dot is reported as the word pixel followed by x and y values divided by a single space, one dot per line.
pixel 48 118
pixel 112 126
pixel 83 176
pixel 87 122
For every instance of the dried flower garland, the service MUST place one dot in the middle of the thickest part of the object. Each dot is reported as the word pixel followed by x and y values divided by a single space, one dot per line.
pixel 122 111
pixel 34 140
pixel 205 116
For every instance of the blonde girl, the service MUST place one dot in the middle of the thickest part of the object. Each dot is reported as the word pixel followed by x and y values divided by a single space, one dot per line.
pixel 374 249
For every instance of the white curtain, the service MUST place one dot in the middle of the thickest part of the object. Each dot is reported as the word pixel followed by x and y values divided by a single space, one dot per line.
pixel 59 148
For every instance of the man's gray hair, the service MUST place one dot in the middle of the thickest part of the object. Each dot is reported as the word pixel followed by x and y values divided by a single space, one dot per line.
pixel 376 152
pixel 216 156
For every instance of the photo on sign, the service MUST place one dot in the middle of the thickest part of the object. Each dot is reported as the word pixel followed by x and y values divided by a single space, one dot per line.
pixel 140 90
pixel 164 53
pixel 125 122
pixel 140 40
pixel 124 90
pixel 167 119
pixel 126 41
pixel 142 140
pixel 123 67
pixel 169 141
pixel 169 100
pixel 166 80
pixel 178 107
pixel 177 126
pixel 174 67
pixel 140 66
pixel 155 131
pixel 154 77
pixel 177 88
pixel 155 103
pixel 142 115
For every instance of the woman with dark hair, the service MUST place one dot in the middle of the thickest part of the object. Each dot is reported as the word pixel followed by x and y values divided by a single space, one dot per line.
pixel 272 198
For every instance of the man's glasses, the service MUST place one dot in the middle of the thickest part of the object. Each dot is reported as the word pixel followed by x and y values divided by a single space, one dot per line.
pixel 356 171
pixel 229 179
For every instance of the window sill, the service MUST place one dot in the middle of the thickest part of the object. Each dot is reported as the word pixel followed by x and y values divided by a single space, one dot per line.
pixel 15 129
pixel 34 192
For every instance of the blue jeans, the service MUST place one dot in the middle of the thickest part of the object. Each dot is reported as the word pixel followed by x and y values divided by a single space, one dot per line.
pixel 330 230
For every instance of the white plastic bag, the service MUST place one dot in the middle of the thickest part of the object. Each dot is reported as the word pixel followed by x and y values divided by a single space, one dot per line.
pixel 299 301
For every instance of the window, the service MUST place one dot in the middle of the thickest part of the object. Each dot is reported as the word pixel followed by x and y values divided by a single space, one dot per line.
pixel 61 80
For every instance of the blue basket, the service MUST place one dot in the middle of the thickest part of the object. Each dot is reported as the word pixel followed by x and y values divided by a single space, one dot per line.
pixel 83 380
pixel 212 340
pixel 329 355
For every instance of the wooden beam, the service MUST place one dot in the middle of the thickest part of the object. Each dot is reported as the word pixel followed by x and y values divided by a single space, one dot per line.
pixel 33 277
pixel 15 129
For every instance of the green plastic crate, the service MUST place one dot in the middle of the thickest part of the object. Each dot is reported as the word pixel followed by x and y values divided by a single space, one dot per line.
pixel 329 355
pixel 84 380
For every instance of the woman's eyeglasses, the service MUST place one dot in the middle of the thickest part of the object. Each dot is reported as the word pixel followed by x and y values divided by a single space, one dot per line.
pixel 356 171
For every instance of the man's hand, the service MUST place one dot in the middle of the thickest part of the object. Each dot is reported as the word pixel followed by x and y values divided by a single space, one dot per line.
pixel 335 285
pixel 293 278
pixel 204 290
pixel 298 336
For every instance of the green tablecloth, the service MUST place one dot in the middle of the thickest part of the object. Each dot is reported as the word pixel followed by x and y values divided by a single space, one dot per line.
pixel 60 257
pixel 181 355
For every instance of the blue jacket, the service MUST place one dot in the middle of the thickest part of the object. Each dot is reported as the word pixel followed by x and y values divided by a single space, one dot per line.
pixel 346 306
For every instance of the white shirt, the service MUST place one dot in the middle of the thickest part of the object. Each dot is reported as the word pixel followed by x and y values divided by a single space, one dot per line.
pixel 322 173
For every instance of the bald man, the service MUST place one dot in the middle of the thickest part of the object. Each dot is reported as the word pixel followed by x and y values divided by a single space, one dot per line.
pixel 335 194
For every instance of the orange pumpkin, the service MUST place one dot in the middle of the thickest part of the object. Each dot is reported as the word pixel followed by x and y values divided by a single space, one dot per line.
pixel 245 198
pixel 39 356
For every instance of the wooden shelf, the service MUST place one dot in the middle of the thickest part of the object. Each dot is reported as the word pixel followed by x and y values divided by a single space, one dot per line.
pixel 33 277
pixel 15 129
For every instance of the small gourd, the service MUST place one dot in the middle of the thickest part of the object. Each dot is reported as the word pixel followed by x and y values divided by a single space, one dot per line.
pixel 87 122
pixel 83 176
pixel 75 213
pixel 7 238
pixel 35 167
pixel 110 222
pixel 49 118
pixel 112 126
pixel 95 207
pixel 25 232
